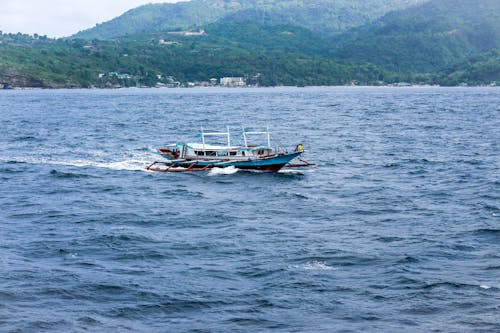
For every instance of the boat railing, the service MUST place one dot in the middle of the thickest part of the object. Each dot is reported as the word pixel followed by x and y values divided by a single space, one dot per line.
pixel 245 133
pixel 226 134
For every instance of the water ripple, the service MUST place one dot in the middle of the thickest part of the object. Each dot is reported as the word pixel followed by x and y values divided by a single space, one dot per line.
pixel 394 229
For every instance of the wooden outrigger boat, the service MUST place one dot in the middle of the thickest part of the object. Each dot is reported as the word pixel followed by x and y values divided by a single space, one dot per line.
pixel 186 157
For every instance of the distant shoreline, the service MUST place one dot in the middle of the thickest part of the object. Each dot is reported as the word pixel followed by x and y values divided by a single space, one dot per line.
pixel 250 87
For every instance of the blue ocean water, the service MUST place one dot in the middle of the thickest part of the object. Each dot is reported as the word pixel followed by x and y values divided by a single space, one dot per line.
pixel 396 229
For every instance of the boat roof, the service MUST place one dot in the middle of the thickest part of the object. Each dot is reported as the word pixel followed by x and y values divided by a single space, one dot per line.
pixel 255 147
pixel 201 146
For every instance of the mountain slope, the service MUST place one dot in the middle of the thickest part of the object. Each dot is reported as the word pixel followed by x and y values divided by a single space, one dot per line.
pixel 447 42
pixel 284 55
pixel 428 37
pixel 31 62
pixel 479 69
pixel 254 36
pixel 330 16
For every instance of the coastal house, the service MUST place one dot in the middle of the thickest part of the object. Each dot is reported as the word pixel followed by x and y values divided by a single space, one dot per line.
pixel 232 82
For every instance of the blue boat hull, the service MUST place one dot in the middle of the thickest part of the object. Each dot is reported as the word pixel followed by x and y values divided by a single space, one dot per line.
pixel 274 163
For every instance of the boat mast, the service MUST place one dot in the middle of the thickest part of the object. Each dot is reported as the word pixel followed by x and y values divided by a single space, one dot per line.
pixel 244 137
pixel 268 137
pixel 202 137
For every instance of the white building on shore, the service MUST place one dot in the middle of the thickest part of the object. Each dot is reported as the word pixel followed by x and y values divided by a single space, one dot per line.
pixel 232 82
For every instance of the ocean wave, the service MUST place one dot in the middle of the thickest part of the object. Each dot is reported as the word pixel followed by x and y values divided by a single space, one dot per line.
pixel 314 266
pixel 59 174
pixel 223 171
pixel 487 232
pixel 295 171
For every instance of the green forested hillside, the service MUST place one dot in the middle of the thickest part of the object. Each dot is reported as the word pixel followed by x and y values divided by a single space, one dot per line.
pixel 426 38
pixel 269 38
pixel 319 15
pixel 478 69
pixel 439 42
pixel 67 63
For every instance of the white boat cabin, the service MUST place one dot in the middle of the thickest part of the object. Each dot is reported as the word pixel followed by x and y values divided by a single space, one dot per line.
pixel 208 151
pixel 213 151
